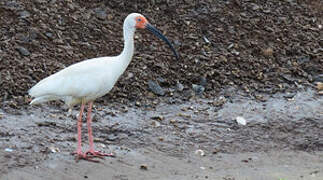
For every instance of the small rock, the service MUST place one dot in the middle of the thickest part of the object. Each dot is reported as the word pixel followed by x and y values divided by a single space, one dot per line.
pixel 200 152
pixel 49 35
pixel 155 124
pixel 33 34
pixel 184 115
pixel 215 151
pixel 130 75
pixel 241 120
pixel 266 11
pixel 230 46
pixel 303 59
pixel 144 167
pixel 138 103
pixel 289 95
pixel 46 124
pixel 179 86
pixel 112 137
pixel 102 145
pixel 101 14
pixel 172 121
pixel 319 78
pixel 255 7
pixel 24 14
pixel 268 52
pixel 206 39
pixel 162 81
pixel 203 81
pixel 155 88
pixel 198 89
pixel 54 149
pixel 23 51
pixel 94 117
pixel 235 52
pixel 159 118
pixel 319 86
pixel 8 150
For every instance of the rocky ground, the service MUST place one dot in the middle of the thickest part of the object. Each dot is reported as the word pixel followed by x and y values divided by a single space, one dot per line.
pixel 261 60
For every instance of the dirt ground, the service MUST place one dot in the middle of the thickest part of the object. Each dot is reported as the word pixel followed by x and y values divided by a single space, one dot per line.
pixel 260 60
pixel 187 140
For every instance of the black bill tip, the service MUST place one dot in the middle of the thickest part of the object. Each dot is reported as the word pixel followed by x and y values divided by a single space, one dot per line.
pixel 161 36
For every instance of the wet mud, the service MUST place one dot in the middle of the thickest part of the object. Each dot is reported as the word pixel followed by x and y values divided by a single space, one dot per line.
pixel 187 133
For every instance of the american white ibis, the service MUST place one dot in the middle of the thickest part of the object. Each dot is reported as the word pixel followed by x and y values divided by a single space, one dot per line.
pixel 85 81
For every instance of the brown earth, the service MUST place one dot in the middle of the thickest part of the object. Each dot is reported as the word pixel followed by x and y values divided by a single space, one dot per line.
pixel 262 46
pixel 255 59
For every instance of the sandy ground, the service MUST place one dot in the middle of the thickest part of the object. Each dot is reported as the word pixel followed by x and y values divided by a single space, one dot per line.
pixel 261 166
pixel 282 140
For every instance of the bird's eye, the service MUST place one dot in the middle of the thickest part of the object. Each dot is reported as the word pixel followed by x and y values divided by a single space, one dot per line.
pixel 139 19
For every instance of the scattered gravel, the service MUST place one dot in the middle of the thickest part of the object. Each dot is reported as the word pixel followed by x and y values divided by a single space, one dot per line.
pixel 252 46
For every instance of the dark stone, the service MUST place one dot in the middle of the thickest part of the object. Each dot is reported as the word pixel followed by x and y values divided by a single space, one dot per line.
pixel 198 89
pixel 155 88
pixel 100 14
pixel 179 86
pixel 24 14
pixel 23 51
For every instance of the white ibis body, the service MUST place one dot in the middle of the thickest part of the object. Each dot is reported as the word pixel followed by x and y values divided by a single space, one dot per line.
pixel 85 81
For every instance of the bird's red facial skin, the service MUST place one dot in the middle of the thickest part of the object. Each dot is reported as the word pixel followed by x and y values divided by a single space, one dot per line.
pixel 141 22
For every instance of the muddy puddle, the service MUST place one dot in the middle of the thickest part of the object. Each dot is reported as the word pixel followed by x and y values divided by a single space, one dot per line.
pixel 38 140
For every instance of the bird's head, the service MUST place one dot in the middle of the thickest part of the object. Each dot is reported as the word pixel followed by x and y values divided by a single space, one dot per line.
pixel 138 21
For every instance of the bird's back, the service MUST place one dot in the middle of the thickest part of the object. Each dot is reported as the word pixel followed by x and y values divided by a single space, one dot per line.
pixel 87 79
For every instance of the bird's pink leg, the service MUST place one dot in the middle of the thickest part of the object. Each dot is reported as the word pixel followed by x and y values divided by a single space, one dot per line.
pixel 79 154
pixel 79 131
pixel 88 121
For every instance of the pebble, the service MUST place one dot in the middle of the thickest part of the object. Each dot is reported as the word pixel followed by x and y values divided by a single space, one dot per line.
pixel 319 86
pixel 112 137
pixel 144 167
pixel 54 149
pixel 49 34
pixel 159 118
pixel 268 52
pixel 241 120
pixel 8 150
pixel 162 81
pixel 255 7
pixel 318 78
pixel 101 14
pixel 155 88
pixel 198 89
pixel 24 14
pixel 200 152
pixel 206 39
pixel 179 86
pixel 155 124
pixel 203 81
pixel 23 51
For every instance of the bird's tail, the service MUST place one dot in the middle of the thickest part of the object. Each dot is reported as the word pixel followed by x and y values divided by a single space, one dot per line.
pixel 43 99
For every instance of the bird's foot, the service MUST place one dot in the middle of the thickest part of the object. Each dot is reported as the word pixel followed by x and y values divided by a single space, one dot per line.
pixel 98 154
pixel 85 156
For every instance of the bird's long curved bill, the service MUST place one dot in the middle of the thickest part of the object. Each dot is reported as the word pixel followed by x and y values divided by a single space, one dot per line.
pixel 161 36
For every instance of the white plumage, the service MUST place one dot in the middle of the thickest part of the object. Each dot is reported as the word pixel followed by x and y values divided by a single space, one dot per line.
pixel 85 81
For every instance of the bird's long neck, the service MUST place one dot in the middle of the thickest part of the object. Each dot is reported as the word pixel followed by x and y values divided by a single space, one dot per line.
pixel 128 49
